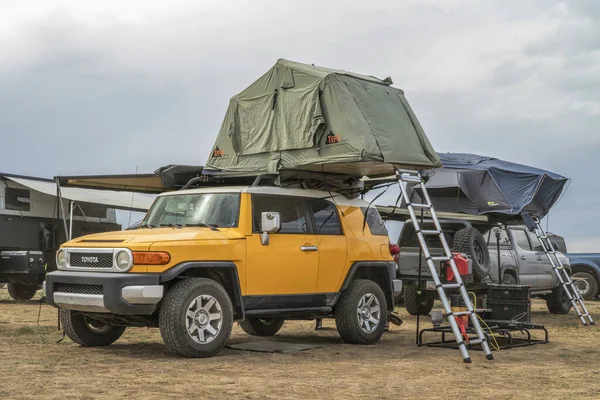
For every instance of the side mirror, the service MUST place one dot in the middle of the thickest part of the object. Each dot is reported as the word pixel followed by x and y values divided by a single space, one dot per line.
pixel 270 222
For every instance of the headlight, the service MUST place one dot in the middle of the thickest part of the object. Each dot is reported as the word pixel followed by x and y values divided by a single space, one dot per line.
pixel 61 259
pixel 124 260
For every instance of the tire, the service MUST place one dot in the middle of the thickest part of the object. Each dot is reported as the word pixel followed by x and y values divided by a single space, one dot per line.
pixel 470 242
pixel 508 279
pixel 19 291
pixel 87 332
pixel 367 326
pixel 558 302
pixel 196 318
pixel 261 327
pixel 590 289
pixel 415 305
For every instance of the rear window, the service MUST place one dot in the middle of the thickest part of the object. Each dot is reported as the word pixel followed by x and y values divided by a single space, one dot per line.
pixel 374 221
pixel 409 237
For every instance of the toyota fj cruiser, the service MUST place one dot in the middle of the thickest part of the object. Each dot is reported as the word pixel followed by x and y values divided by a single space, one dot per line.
pixel 203 258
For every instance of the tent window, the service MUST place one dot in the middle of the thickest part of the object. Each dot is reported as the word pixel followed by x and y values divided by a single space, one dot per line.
pixel 17 199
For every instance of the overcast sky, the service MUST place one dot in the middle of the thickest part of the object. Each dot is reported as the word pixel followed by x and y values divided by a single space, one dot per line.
pixel 105 87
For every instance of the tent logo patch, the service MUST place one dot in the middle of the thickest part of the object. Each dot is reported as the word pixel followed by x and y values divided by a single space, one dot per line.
pixel 218 152
pixel 492 204
pixel 332 138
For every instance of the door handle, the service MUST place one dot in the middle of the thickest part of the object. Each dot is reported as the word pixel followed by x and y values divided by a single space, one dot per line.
pixel 523 258
pixel 539 258
pixel 309 248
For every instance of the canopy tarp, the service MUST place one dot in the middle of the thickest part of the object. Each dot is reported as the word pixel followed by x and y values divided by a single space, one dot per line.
pixel 479 185
pixel 118 200
pixel 303 117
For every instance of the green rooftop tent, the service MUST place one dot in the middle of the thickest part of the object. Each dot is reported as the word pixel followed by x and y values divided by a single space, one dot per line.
pixel 298 117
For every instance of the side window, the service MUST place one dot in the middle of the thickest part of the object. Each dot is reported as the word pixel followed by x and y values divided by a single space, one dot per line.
pixel 326 217
pixel 17 199
pixel 374 221
pixel 292 210
pixel 522 240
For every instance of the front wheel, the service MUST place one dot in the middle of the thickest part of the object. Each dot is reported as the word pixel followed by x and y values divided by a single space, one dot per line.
pixel 196 318
pixel 89 332
pixel 21 292
pixel 361 313
pixel 261 326
pixel 558 302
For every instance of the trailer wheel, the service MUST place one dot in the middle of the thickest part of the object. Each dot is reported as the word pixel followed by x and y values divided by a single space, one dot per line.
pixel 415 304
pixel 470 242
pixel 19 291
pixel 88 332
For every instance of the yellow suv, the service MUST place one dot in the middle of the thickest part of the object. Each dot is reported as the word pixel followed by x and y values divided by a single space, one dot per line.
pixel 203 258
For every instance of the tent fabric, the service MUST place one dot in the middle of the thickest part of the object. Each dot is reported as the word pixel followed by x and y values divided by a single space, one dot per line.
pixel 302 117
pixel 481 185
pixel 118 200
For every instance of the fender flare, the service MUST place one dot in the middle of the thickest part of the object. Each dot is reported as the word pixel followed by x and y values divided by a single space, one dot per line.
pixel 586 264
pixel 225 267
pixel 387 270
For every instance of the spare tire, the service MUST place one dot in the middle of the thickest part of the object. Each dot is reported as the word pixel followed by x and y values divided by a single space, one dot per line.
pixel 471 242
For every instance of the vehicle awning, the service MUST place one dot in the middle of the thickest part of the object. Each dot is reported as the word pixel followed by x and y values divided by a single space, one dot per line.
pixel 146 183
pixel 118 200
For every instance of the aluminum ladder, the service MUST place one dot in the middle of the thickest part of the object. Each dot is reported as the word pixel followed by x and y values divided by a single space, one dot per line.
pixel 561 272
pixel 406 179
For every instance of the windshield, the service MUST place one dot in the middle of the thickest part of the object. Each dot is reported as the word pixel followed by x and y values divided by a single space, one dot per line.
pixel 219 210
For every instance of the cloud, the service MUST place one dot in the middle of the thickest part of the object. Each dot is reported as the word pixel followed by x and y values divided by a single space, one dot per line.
pixel 104 87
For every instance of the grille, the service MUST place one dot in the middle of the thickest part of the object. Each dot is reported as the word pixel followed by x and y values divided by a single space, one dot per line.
pixel 77 288
pixel 91 260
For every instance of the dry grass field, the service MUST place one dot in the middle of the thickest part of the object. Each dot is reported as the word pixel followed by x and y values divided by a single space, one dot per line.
pixel 34 365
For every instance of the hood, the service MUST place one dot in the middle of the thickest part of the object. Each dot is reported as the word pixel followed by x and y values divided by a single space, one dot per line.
pixel 154 235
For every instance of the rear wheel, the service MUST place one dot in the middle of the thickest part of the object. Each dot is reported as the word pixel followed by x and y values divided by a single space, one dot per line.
pixel 470 242
pixel 361 313
pixel 586 284
pixel 509 279
pixel 418 304
pixel 196 318
pixel 261 326
pixel 89 332
pixel 558 302
pixel 19 291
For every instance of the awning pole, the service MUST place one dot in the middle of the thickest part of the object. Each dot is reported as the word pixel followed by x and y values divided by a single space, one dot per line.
pixel 71 222
pixel 62 207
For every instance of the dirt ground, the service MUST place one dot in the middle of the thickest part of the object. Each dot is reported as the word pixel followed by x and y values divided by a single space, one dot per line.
pixel 34 365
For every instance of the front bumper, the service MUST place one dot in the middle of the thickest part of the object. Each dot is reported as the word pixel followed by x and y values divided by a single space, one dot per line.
pixel 116 293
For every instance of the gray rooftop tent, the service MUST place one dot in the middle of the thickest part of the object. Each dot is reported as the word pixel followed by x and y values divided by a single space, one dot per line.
pixel 481 185
pixel 299 117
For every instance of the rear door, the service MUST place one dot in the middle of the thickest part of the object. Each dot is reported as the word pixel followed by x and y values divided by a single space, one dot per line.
pixel 527 259
pixel 331 242
pixel 545 278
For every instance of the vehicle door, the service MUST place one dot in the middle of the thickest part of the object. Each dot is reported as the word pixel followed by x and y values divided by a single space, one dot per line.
pixel 545 278
pixel 331 242
pixel 527 259
pixel 288 264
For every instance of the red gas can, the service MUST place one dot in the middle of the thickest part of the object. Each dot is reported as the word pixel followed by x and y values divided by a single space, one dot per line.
pixel 463 264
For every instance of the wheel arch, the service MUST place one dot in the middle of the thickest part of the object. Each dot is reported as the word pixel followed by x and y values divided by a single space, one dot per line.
pixel 586 266
pixel 223 272
pixel 380 272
